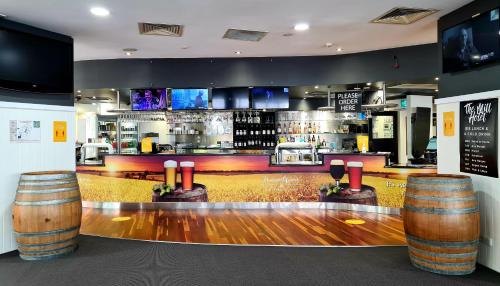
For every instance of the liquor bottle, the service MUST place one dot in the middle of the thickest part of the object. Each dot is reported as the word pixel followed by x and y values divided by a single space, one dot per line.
pixel 309 139
pixel 279 128
pixel 250 119
pixel 290 128
pixel 299 129
pixel 314 128
pixel 309 128
pixel 273 132
pixel 313 140
pixel 244 117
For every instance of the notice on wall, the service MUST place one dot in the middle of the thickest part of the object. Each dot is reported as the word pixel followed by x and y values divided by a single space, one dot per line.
pixel 348 101
pixel 60 131
pixel 478 137
pixel 449 123
pixel 24 131
pixel 382 127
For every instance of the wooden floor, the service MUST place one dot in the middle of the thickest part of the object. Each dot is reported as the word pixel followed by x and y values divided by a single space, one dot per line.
pixel 261 227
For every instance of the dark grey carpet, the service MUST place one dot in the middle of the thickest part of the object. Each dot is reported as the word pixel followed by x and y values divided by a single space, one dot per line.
pixel 102 261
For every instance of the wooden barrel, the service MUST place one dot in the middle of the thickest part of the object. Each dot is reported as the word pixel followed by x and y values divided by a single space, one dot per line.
pixel 47 214
pixel 441 221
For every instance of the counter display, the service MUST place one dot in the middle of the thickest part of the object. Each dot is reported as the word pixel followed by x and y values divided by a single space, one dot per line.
pixel 240 178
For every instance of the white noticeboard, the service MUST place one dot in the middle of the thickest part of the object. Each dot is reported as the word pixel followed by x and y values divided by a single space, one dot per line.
pixel 24 131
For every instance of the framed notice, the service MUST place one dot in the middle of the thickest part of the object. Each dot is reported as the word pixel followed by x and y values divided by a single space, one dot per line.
pixel 478 137
pixel 348 101
pixel 24 131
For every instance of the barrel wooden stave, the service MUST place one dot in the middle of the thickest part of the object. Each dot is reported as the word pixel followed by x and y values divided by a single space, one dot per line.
pixel 47 214
pixel 441 220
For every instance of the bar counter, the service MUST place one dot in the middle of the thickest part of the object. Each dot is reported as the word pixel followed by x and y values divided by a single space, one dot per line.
pixel 240 178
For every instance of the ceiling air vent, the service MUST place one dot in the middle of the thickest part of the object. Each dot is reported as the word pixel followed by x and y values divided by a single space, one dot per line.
pixel 403 16
pixel 244 35
pixel 160 29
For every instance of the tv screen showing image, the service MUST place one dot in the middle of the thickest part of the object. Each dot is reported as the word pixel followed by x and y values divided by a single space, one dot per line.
pixel 270 98
pixel 186 99
pixel 230 98
pixel 148 99
pixel 472 43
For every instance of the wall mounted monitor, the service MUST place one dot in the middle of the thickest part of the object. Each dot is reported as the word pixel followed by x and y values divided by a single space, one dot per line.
pixel 472 43
pixel 270 98
pixel 148 99
pixel 230 98
pixel 30 62
pixel 189 99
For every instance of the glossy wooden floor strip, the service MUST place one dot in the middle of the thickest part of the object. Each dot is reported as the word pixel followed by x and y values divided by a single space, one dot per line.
pixel 263 227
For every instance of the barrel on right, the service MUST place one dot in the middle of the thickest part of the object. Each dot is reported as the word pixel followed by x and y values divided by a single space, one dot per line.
pixel 441 221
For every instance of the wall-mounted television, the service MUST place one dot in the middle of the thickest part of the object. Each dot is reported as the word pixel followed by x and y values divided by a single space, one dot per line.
pixel 189 99
pixel 148 99
pixel 270 98
pixel 230 98
pixel 472 43
pixel 32 61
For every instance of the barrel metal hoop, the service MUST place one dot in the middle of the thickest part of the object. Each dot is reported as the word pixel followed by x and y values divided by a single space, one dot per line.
pixel 445 272
pixel 49 202
pixel 442 211
pixel 46 251
pixel 429 180
pixel 45 244
pixel 52 191
pixel 46 233
pixel 444 255
pixel 446 244
pixel 440 199
pixel 47 177
pixel 440 188
pixel 444 264
pixel 47 183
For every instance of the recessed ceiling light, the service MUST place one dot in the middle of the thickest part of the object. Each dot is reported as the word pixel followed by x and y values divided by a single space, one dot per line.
pixel 329 45
pixel 301 27
pixel 113 89
pixel 93 97
pixel 129 51
pixel 368 83
pixel 437 78
pixel 237 52
pixel 437 90
pixel 78 91
pixel 316 86
pixel 307 92
pixel 99 11
pixel 339 49
pixel 304 98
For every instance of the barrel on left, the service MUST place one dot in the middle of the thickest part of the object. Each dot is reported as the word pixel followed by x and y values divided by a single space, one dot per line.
pixel 47 214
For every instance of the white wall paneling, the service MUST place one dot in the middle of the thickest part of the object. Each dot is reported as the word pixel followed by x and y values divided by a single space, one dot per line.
pixel 17 158
pixel 486 188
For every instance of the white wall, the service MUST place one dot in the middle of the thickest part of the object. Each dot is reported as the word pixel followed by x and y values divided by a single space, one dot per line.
pixel 487 189
pixel 17 158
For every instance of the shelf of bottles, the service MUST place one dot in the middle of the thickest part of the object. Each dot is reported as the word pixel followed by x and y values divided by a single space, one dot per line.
pixel 129 137
pixel 254 130
pixel 321 128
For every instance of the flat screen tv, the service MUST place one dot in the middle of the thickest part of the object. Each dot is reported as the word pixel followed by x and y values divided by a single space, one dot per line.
pixel 230 98
pixel 32 62
pixel 189 99
pixel 148 99
pixel 270 98
pixel 472 43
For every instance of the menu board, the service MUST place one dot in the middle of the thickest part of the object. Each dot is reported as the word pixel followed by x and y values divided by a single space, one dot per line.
pixel 478 137
pixel 348 101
